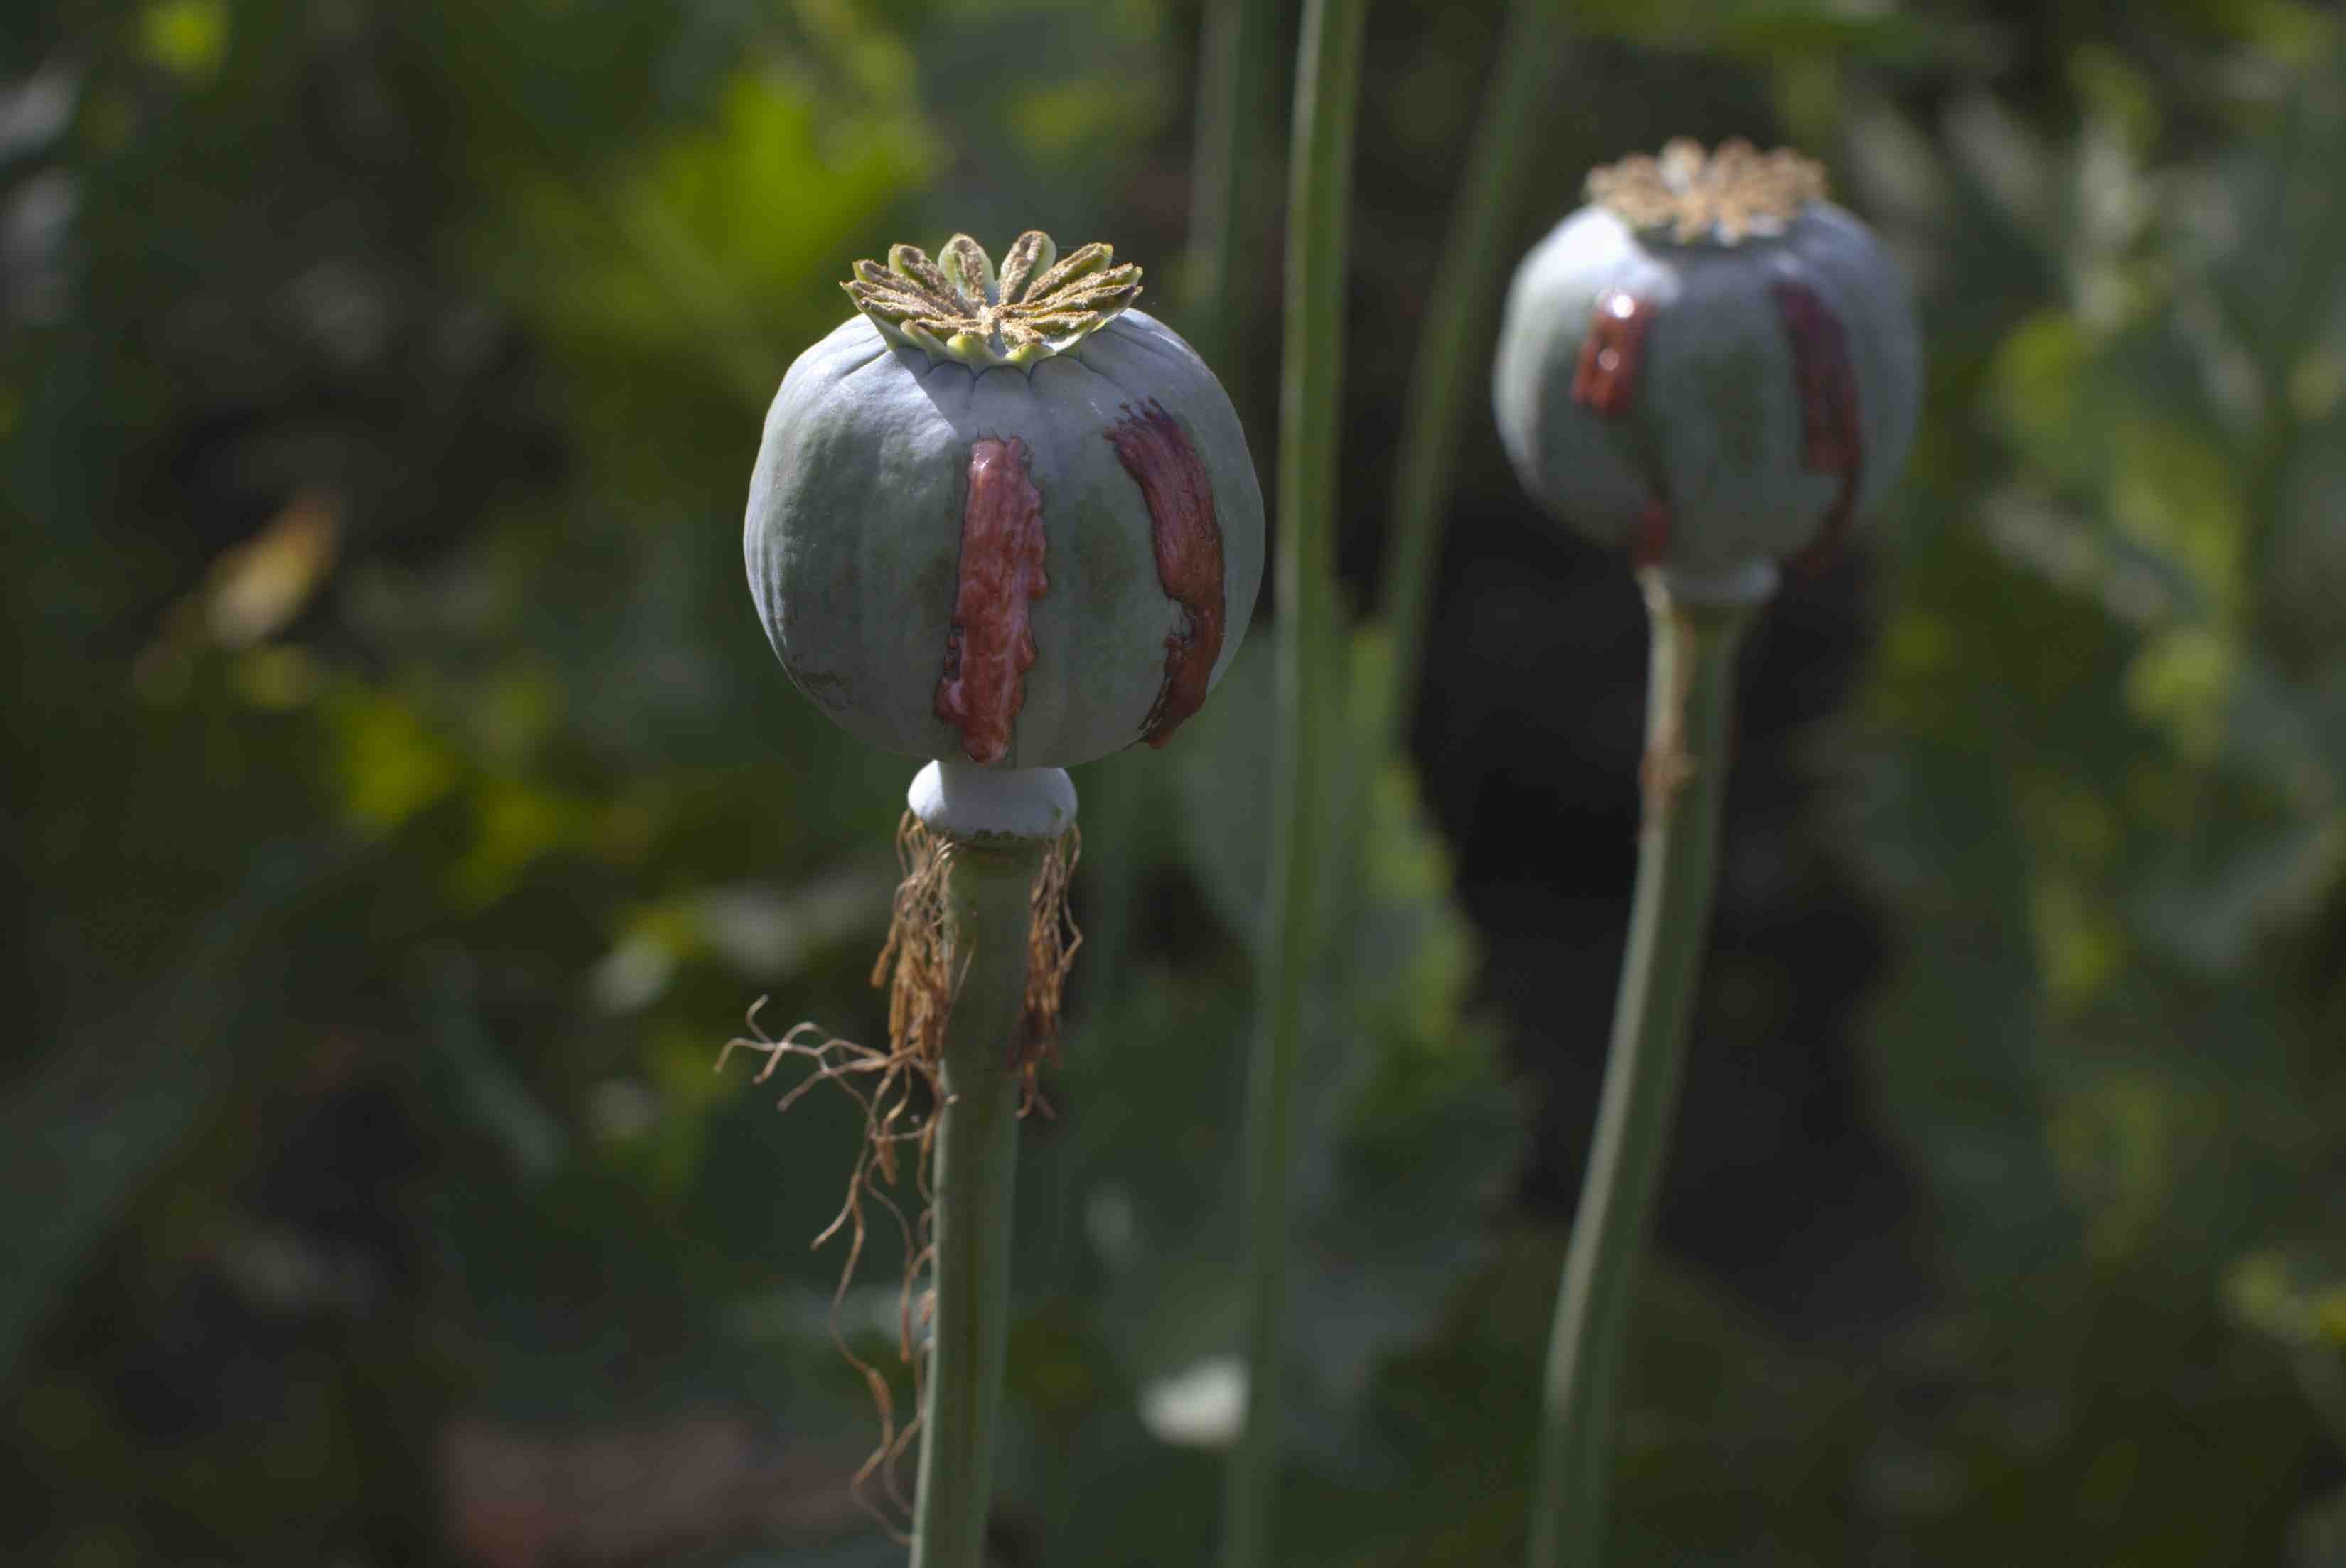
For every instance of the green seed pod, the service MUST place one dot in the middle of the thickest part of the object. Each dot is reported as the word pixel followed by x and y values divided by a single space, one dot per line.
pixel 1708 364
pixel 1001 515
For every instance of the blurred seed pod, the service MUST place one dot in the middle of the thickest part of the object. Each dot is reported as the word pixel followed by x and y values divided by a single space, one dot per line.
pixel 1709 365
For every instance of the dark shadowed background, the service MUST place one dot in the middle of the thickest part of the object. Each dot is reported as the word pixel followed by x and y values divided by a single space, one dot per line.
pixel 402 808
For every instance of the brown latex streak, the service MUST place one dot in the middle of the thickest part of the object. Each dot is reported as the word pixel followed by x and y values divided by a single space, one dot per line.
pixel 991 645
pixel 1187 535
pixel 1604 380
pixel 1605 377
pixel 1831 441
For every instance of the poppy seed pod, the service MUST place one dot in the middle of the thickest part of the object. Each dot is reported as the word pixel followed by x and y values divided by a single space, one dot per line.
pixel 1000 515
pixel 1708 364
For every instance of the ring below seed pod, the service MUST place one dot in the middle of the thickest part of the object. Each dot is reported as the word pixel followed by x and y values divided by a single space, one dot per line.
pixel 1710 364
pixel 1001 515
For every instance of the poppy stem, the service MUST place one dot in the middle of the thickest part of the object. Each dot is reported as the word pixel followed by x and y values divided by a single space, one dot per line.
pixel 1234 87
pixel 987 892
pixel 1459 311
pixel 999 826
pixel 1691 692
pixel 1309 672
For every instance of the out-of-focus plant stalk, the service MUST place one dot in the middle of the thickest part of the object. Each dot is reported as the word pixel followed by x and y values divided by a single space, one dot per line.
pixel 987 891
pixel 1233 86
pixel 1691 691
pixel 1458 317
pixel 1327 89
pixel 1234 52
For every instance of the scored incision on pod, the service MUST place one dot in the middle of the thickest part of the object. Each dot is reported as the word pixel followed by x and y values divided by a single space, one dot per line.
pixel 1188 536
pixel 991 644
pixel 1605 377
pixel 1831 441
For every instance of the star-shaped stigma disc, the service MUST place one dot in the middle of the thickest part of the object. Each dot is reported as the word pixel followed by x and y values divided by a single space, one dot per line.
pixel 957 307
pixel 1722 196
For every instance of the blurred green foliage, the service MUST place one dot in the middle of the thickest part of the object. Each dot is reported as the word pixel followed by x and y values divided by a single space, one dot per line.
pixel 401 806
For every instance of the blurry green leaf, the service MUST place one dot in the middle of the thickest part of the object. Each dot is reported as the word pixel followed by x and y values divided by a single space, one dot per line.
pixel 2004 159
pixel 77 1144
pixel 513 714
pixel 1403 1129
pixel 2276 256
pixel 2116 92
pixel 2317 383
pixel 1221 767
pixel 2211 906
pixel 2182 681
pixel 277 678
pixel 2036 376
pixel 2296 1294
pixel 2172 491
pixel 1737 1448
pixel 390 763
pixel 711 243
pixel 516 823
pixel 2079 947
pixel 1054 120
pixel 2121 1141
pixel 188 36
pixel 473 1073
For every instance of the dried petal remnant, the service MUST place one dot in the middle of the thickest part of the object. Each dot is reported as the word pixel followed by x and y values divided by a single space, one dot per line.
pixel 1605 377
pixel 1173 481
pixel 991 645
pixel 1831 441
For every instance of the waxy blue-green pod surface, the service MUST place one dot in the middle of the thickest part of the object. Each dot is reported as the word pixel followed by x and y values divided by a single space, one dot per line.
pixel 1001 517
pixel 1709 365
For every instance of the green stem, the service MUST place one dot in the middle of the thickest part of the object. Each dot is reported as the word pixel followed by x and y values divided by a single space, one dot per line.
pixel 1691 690
pixel 987 892
pixel 1327 83
pixel 1232 81
pixel 1458 325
